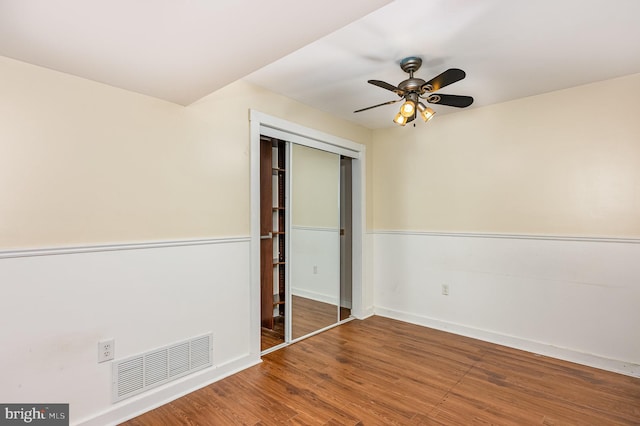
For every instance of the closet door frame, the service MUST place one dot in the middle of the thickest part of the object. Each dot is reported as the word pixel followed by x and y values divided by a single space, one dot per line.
pixel 267 125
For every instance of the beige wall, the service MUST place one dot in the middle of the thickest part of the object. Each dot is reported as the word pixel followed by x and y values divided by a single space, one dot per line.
pixel 315 188
pixel 561 163
pixel 86 163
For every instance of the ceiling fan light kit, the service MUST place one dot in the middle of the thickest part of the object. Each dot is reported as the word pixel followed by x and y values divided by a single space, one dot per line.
pixel 413 89
pixel 425 112
pixel 408 109
pixel 400 119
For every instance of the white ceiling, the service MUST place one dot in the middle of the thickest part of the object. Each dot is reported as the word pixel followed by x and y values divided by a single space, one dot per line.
pixel 177 50
pixel 182 50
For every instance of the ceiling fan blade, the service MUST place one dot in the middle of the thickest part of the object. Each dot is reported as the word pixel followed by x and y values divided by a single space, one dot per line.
pixel 448 77
pixel 387 86
pixel 450 100
pixel 375 106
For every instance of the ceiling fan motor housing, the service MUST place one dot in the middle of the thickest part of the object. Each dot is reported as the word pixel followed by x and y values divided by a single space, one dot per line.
pixel 412 85
pixel 411 65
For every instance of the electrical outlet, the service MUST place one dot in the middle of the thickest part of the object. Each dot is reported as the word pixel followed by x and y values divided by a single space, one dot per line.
pixel 315 269
pixel 445 289
pixel 106 350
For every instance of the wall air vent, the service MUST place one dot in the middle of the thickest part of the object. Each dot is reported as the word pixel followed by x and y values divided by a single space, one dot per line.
pixel 139 373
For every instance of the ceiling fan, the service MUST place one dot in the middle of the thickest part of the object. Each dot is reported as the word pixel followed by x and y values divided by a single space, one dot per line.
pixel 413 89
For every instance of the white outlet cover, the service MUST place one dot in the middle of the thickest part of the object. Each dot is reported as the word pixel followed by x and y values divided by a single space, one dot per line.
pixel 106 350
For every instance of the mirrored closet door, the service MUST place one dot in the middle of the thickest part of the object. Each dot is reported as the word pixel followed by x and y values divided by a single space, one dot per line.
pixel 314 279
pixel 305 240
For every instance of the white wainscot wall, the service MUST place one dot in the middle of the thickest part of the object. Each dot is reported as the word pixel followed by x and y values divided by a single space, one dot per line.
pixel 570 298
pixel 315 263
pixel 57 305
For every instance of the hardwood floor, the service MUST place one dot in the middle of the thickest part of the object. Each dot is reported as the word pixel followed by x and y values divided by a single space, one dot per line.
pixel 272 337
pixel 381 372
pixel 308 316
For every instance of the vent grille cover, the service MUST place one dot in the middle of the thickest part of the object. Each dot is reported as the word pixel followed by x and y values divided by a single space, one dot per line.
pixel 139 373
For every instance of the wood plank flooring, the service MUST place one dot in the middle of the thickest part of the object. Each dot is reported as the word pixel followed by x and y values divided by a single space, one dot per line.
pixel 272 337
pixel 308 316
pixel 385 372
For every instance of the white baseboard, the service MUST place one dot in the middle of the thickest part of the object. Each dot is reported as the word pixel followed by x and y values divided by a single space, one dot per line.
pixel 565 354
pixel 364 314
pixel 140 404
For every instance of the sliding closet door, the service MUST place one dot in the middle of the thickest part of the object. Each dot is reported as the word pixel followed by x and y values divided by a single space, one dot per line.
pixel 314 279
pixel 346 238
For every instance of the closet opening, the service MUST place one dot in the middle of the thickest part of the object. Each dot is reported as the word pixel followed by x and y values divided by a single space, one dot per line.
pixel 305 241
pixel 272 242
pixel 307 232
